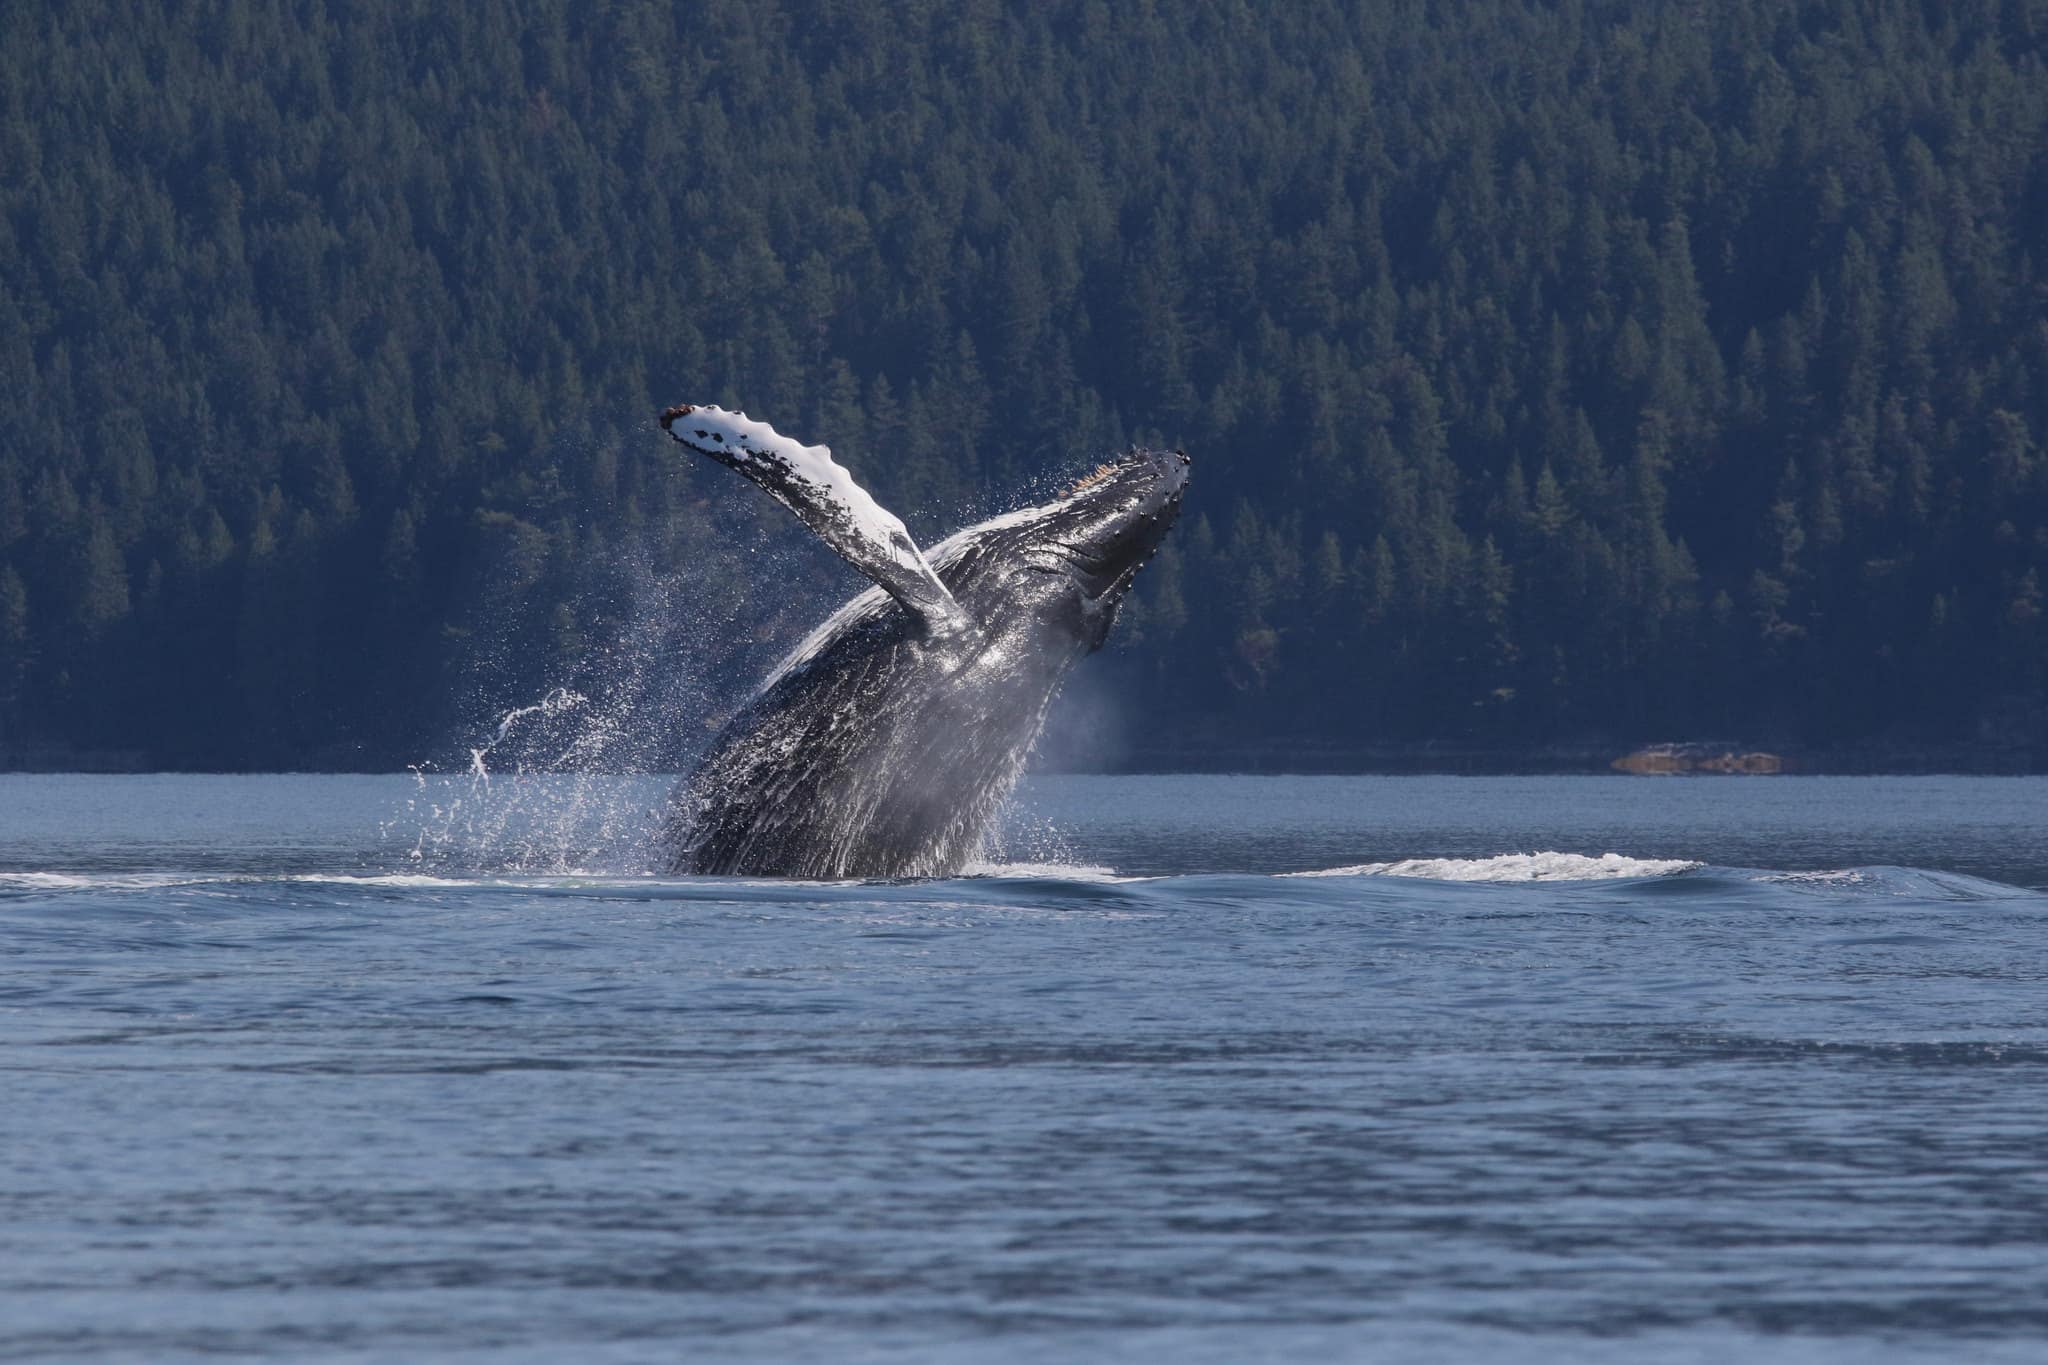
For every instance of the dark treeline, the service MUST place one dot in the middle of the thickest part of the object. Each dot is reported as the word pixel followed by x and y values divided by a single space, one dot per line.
pixel 1552 370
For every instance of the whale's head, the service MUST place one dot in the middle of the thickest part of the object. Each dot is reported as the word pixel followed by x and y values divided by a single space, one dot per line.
pixel 1068 563
pixel 1108 523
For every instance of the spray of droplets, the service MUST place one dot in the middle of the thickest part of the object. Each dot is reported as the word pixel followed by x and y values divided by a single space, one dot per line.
pixel 553 704
pixel 569 764
pixel 569 769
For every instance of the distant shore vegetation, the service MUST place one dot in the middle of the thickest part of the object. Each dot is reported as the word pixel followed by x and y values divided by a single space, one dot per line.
pixel 1551 370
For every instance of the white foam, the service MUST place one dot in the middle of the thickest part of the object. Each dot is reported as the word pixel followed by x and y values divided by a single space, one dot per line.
pixel 109 881
pixel 1515 867
pixel 1052 872
pixel 155 881
pixel 1845 876
pixel 396 879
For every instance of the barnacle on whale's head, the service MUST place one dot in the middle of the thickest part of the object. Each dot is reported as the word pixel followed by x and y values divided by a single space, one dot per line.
pixel 1088 480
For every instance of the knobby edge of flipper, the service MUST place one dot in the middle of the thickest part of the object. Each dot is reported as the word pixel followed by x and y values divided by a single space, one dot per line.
pixel 825 497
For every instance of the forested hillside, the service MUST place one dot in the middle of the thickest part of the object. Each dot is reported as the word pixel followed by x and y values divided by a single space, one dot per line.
pixel 1551 370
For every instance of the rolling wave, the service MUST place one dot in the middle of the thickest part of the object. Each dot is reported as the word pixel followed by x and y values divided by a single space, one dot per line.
pixel 1515 867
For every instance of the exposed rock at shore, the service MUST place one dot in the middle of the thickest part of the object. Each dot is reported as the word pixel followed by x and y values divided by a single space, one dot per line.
pixel 1657 759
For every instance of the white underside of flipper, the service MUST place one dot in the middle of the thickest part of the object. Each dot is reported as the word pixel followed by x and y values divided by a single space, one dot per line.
pixel 810 483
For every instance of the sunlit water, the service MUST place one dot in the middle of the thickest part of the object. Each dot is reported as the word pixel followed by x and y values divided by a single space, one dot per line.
pixel 397 1069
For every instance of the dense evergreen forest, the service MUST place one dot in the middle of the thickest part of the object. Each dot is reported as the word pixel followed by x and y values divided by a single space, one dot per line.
pixel 1552 370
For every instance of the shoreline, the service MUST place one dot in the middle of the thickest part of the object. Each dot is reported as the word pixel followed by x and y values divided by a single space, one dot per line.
pixel 1586 761
pixel 1426 760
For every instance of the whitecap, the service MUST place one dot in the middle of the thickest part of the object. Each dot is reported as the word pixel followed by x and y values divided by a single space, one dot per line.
pixel 1051 872
pixel 1842 876
pixel 100 881
pixel 1515 867
pixel 393 879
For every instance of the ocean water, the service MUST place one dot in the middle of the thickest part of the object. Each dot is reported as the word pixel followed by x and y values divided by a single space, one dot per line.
pixel 1538 1069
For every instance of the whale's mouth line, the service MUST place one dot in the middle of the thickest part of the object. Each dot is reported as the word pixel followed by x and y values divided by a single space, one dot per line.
pixel 1096 575
pixel 1079 558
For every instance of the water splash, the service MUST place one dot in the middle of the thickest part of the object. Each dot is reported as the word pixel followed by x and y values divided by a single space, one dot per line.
pixel 569 768
pixel 659 637
pixel 553 704
pixel 1021 834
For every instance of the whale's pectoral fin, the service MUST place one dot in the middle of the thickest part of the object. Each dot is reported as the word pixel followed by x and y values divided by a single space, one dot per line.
pixel 810 483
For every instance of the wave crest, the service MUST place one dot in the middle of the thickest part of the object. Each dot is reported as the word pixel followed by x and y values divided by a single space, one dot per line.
pixel 1051 872
pixel 1515 867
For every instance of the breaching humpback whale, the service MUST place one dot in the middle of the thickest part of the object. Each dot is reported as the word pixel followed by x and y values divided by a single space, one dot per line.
pixel 884 744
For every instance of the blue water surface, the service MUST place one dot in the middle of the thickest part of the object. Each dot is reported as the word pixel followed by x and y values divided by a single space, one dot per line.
pixel 353 1069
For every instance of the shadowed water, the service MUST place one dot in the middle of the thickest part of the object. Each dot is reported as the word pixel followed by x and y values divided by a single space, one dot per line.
pixel 359 1068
